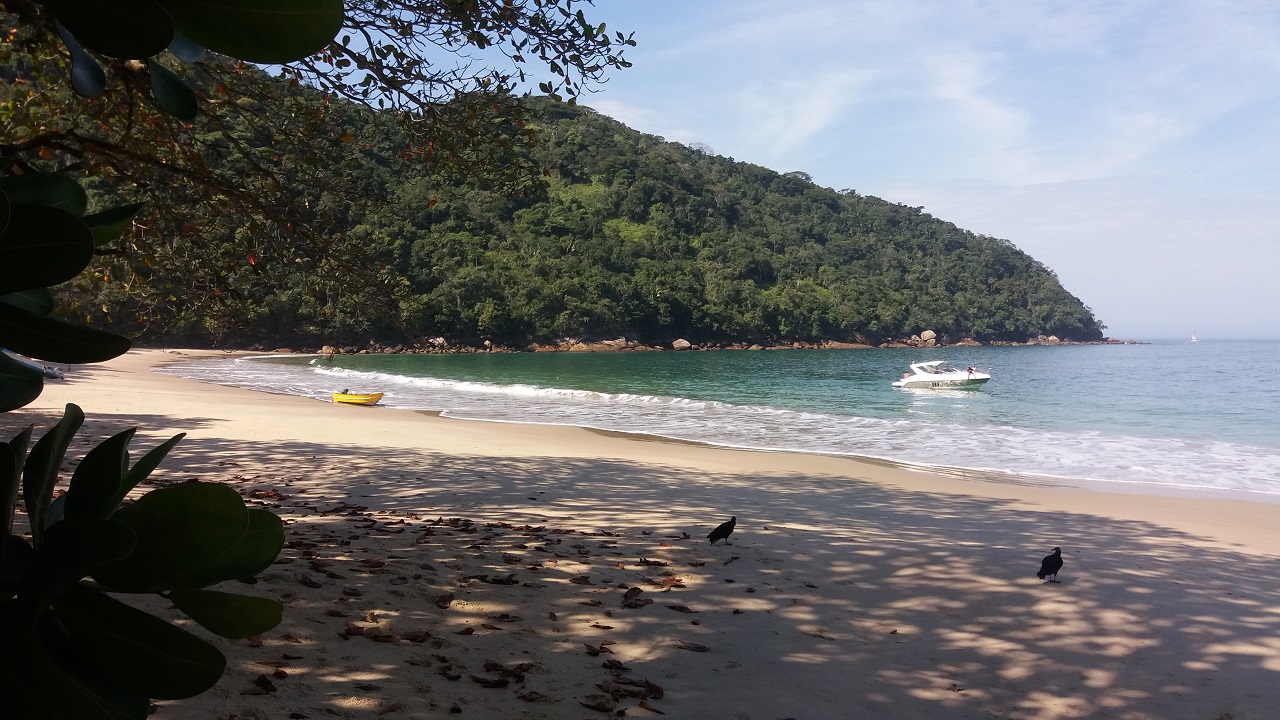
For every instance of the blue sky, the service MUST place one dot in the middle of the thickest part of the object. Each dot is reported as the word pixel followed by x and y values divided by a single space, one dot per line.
pixel 1133 147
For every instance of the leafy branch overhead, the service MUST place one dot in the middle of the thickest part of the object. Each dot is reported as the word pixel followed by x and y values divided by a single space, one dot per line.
pixel 46 239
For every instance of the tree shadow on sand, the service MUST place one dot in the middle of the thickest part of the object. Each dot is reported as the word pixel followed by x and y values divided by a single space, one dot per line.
pixel 879 602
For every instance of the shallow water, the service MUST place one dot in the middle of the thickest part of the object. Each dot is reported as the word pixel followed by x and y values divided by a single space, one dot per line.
pixel 1167 414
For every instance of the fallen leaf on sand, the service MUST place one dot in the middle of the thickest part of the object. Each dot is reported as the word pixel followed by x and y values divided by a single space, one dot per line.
pixel 655 690
pixel 289 638
pixel 265 683
pixel 310 581
pixel 466 631
pixel 393 707
pixel 645 704
pixel 368 687
pixel 598 626
pixel 531 696
pixel 487 626
pixel 591 603
pixel 611 664
pixel 490 682
pixel 682 608
pixel 551 615
pixel 444 601
pixel 683 645
pixel 594 650
pixel 581 580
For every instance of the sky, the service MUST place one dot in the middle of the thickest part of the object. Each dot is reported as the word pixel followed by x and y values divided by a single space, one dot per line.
pixel 1132 147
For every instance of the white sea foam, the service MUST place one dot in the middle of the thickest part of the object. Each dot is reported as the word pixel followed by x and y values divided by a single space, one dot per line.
pixel 989 448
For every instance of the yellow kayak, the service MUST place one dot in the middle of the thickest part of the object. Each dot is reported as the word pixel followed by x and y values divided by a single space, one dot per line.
pixel 357 398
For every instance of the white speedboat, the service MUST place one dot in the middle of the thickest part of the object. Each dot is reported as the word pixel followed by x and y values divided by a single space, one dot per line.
pixel 938 373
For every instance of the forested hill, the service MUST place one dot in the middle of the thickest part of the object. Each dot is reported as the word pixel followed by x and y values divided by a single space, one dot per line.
pixel 635 237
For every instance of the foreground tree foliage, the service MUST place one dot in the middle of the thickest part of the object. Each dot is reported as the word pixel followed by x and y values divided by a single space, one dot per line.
pixel 228 192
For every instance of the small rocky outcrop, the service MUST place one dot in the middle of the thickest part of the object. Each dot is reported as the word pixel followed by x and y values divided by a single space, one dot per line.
pixel 681 344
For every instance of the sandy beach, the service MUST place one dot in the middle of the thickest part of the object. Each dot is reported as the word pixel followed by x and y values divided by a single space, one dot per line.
pixel 437 568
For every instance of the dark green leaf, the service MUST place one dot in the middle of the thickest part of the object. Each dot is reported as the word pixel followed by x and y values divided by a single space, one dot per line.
pixel 8 490
pixel 87 78
pixel 36 300
pixel 185 50
pixel 250 555
pixel 36 687
pixel 42 246
pixel 125 29
pixel 19 384
pixel 17 557
pixel 46 190
pixel 72 549
pixel 41 472
pixel 10 471
pixel 228 615
pixel 137 652
pixel 95 485
pixel 171 94
pixel 55 340
pixel 4 211
pixel 143 468
pixel 267 32
pixel 110 224
pixel 178 528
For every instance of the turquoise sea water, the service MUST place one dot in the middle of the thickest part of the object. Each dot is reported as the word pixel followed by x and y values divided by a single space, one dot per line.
pixel 1168 414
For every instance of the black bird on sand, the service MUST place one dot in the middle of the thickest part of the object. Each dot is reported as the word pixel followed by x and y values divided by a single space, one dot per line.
pixel 722 532
pixel 1050 566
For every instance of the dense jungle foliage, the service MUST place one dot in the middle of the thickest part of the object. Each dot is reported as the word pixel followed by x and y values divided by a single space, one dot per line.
pixel 633 236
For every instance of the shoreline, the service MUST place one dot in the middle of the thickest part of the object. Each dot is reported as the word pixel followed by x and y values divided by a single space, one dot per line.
pixel 958 472
pixel 430 559
pixel 440 346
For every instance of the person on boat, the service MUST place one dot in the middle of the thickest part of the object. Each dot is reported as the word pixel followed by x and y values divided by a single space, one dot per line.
pixel 345 391
pixel 906 375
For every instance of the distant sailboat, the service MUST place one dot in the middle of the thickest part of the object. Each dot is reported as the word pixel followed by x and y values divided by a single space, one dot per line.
pixel 1193 337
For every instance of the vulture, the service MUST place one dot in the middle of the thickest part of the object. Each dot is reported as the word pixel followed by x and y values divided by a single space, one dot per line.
pixel 722 532
pixel 1050 566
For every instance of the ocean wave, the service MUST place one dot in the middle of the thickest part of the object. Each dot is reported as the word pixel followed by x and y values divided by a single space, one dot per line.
pixel 918 441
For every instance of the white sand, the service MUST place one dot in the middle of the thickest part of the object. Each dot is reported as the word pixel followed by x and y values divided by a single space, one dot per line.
pixel 864 590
